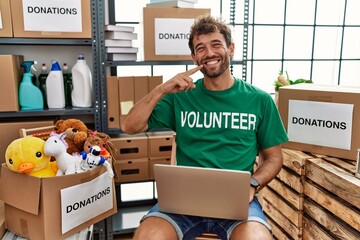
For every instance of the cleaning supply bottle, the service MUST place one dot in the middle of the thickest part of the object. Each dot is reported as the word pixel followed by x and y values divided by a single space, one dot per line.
pixel 30 97
pixel 81 94
pixel 67 85
pixel 42 82
pixel 55 87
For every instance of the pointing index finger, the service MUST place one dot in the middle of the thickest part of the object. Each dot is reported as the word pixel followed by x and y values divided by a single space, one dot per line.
pixel 193 70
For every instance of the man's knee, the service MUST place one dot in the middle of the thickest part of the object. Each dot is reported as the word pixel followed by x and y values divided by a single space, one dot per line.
pixel 251 231
pixel 155 228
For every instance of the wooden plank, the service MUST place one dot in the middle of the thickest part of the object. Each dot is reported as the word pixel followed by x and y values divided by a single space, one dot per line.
pixel 291 179
pixel 278 232
pixel 281 220
pixel 295 160
pixel 277 201
pixel 331 223
pixel 294 198
pixel 338 208
pixel 312 231
pixel 335 180
pixel 348 166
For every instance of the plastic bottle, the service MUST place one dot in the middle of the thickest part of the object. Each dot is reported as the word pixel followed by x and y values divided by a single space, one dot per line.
pixel 30 97
pixel 81 94
pixel 55 87
pixel 67 85
pixel 42 82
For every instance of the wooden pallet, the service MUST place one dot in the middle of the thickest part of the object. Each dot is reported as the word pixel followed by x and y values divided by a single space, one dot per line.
pixel 313 197
pixel 333 197
pixel 283 197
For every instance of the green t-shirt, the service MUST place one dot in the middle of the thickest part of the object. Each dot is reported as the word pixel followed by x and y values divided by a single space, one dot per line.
pixel 220 129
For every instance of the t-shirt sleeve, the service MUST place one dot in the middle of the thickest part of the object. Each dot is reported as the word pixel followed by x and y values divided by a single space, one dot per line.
pixel 163 114
pixel 271 129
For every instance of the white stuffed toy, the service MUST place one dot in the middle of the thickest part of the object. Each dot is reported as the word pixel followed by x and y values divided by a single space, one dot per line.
pixel 56 146
pixel 93 159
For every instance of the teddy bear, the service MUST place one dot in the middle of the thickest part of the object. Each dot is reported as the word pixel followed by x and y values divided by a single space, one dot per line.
pixel 76 133
pixel 102 140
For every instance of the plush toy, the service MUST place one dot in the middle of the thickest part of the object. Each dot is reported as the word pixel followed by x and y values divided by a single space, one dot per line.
pixel 76 134
pixel 103 141
pixel 26 155
pixel 93 159
pixel 56 146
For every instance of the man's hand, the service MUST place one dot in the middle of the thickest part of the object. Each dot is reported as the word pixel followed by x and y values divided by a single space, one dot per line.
pixel 180 82
pixel 252 194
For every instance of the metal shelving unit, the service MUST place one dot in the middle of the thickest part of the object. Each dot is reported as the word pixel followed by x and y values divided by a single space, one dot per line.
pixel 93 112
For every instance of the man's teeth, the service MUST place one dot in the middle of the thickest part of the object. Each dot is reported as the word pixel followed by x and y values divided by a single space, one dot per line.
pixel 212 62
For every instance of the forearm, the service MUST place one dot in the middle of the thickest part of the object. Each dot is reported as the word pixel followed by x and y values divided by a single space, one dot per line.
pixel 136 120
pixel 270 167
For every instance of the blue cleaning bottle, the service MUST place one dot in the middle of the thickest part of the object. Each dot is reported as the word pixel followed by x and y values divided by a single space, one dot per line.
pixel 30 97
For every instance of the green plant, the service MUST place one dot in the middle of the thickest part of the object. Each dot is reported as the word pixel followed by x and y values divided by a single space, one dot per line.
pixel 282 81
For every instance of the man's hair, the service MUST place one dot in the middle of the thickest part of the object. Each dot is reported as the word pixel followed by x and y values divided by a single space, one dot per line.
pixel 207 24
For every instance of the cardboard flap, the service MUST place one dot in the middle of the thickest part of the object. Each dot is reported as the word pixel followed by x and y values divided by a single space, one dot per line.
pixel 18 189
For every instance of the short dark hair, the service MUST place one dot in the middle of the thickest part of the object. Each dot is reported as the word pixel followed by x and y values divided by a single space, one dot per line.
pixel 207 24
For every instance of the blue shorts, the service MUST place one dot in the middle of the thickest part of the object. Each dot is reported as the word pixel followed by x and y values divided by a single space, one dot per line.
pixel 189 227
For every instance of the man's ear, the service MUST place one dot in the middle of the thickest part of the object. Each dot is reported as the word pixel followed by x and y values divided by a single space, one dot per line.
pixel 193 58
pixel 232 49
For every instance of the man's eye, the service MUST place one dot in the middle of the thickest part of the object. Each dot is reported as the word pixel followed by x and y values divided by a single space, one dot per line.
pixel 200 49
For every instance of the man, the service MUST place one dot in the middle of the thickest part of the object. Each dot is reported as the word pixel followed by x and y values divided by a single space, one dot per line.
pixel 220 122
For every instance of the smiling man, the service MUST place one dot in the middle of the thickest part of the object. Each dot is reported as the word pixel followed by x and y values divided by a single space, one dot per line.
pixel 220 122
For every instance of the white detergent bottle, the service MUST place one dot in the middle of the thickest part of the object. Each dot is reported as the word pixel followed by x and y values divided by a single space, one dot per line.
pixel 81 94
pixel 55 87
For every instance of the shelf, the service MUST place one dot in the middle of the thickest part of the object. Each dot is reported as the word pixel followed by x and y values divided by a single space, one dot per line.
pixel 45 41
pixel 126 220
pixel 47 112
pixel 130 63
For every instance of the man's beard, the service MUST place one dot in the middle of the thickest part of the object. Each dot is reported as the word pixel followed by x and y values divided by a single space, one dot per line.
pixel 224 65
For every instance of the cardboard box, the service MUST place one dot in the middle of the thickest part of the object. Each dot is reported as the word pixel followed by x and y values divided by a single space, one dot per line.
pixel 6 30
pixel 131 170
pixel 2 219
pixel 151 14
pixel 126 95
pixel 141 87
pixel 321 119
pixel 10 132
pixel 131 146
pixel 159 160
pixel 19 28
pixel 154 81
pixel 10 73
pixel 112 86
pixel 160 143
pixel 45 208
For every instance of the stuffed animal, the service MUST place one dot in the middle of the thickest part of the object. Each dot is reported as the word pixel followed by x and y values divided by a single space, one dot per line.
pixel 103 141
pixel 56 146
pixel 26 155
pixel 93 159
pixel 76 134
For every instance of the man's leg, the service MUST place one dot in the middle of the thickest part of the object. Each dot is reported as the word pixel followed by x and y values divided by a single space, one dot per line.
pixel 155 228
pixel 251 231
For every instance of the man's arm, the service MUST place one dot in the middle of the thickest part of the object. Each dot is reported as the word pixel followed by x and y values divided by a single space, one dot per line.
pixel 136 120
pixel 269 168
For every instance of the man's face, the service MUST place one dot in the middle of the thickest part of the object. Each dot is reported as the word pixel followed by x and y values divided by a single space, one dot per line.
pixel 211 51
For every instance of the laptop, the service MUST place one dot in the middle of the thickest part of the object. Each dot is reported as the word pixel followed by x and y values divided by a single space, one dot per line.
pixel 206 192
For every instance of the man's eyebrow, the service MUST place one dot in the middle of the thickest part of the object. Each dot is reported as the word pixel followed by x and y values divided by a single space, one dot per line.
pixel 212 41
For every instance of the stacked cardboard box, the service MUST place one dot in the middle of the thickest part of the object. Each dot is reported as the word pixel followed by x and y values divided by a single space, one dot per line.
pixel 52 8
pixel 313 197
pixel 124 92
pixel 137 154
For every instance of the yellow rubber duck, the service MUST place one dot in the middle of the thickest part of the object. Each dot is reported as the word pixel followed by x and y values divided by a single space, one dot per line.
pixel 26 155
